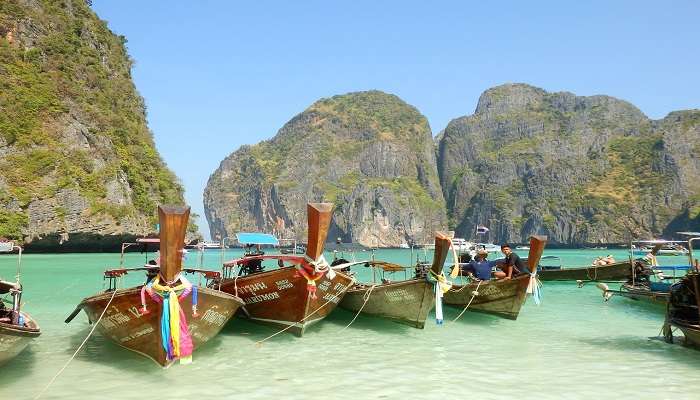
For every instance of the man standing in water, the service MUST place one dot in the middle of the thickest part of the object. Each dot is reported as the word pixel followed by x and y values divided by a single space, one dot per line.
pixel 513 264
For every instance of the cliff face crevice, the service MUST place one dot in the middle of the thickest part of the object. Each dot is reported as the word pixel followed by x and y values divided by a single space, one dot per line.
pixel 579 169
pixel 368 152
pixel 76 154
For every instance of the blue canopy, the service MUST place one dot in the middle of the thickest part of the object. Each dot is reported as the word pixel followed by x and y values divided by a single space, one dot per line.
pixel 257 238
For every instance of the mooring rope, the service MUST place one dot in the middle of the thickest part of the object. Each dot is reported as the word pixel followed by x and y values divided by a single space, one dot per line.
pixel 366 298
pixel 474 294
pixel 94 326
pixel 259 342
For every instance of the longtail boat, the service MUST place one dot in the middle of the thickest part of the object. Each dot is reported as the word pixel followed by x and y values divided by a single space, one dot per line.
pixel 168 317
pixel 619 271
pixel 17 328
pixel 648 282
pixel 684 309
pixel 301 289
pixel 407 301
pixel 503 297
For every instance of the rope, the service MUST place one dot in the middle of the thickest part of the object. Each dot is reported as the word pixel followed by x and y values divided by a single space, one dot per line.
pixel 259 342
pixel 366 297
pixel 474 294
pixel 94 326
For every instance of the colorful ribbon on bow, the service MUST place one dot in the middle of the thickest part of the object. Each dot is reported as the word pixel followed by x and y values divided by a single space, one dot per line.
pixel 313 272
pixel 175 336
pixel 311 279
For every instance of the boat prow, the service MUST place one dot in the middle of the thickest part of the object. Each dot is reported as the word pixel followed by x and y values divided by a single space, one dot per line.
pixel 168 317
pixel 126 325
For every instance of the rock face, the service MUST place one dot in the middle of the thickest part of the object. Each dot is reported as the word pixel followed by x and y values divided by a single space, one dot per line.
pixel 579 169
pixel 368 152
pixel 76 155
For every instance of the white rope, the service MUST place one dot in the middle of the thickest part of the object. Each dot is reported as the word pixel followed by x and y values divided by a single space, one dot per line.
pixel 321 265
pixel 474 294
pixel 366 297
pixel 94 326
pixel 259 342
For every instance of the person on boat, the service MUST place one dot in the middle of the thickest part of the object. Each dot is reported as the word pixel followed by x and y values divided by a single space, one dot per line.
pixel 480 267
pixel 512 265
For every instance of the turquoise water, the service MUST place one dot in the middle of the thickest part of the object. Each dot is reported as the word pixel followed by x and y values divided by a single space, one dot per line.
pixel 572 346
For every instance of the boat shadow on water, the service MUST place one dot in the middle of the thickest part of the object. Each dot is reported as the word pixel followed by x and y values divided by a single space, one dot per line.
pixel 246 330
pixel 654 345
pixel 99 349
pixel 340 318
pixel 471 318
pixel 21 366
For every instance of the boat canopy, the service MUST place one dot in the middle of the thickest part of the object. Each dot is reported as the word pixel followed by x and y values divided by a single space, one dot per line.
pixel 257 238
pixel 689 233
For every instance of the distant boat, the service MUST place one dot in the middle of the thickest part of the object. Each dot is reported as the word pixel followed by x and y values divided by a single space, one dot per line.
pixel 210 245
pixel 489 247
pixel 462 245
pixel 649 282
pixel 550 269
pixel 667 249
pixel 522 247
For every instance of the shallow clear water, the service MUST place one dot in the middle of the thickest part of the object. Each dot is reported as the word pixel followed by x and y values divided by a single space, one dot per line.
pixel 572 346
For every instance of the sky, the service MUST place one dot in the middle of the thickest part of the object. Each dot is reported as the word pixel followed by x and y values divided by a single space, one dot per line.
pixel 216 75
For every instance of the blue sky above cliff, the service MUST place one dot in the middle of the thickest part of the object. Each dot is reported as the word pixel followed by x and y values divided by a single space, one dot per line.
pixel 219 74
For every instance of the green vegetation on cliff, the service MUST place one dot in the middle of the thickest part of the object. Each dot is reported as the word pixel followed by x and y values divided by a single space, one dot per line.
pixel 580 169
pixel 72 118
pixel 370 153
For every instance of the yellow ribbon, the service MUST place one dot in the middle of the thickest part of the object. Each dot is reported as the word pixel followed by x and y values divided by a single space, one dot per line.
pixel 442 282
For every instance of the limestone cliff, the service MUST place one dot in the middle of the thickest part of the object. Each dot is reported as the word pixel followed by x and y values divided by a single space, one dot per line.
pixel 370 153
pixel 76 155
pixel 580 169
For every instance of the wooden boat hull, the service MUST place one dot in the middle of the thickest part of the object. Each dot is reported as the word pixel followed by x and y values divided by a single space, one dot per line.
pixel 690 331
pixel 126 326
pixel 280 297
pixel 14 339
pixel 613 272
pixel 645 295
pixel 406 302
pixel 503 298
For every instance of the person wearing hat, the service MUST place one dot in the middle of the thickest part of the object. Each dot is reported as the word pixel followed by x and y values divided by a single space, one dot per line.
pixel 480 267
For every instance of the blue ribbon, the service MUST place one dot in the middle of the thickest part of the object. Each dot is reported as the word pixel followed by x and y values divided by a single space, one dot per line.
pixel 165 326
